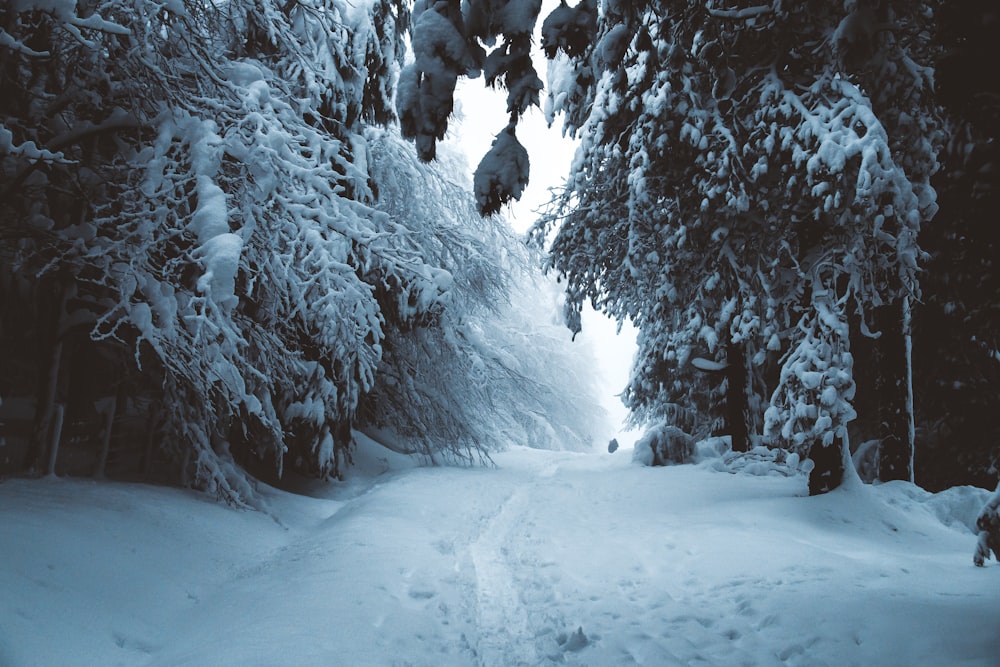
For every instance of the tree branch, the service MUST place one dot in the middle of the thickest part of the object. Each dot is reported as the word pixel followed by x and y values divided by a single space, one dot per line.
pixel 740 14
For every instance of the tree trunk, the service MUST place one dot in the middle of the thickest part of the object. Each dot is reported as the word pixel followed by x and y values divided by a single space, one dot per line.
pixel 895 392
pixel 55 436
pixel 736 397
pixel 49 330
pixel 107 408
pixel 828 466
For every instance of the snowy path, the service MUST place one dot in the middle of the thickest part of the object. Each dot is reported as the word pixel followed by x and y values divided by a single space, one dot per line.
pixel 550 559
pixel 505 636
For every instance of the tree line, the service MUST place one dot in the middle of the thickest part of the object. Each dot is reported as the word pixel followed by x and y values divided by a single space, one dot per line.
pixel 789 194
pixel 211 216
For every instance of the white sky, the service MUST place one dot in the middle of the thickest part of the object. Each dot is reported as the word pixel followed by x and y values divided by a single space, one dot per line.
pixel 483 114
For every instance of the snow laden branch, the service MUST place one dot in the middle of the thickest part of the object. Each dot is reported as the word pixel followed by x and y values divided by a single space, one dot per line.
pixel 452 39
pixel 252 264
pixel 227 235
pixel 493 366
pixel 743 14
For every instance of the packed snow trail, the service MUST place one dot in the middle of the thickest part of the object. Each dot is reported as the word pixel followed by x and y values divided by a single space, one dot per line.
pixel 550 558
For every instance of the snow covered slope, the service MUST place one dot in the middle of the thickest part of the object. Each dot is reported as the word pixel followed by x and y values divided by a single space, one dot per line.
pixel 551 558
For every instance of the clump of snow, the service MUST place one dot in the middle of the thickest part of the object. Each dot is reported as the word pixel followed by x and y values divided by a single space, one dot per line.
pixel 502 174
pixel 220 257
pixel 958 506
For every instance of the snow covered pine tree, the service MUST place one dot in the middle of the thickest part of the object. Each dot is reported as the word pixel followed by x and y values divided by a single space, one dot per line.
pixel 204 200
pixel 749 178
pixel 217 219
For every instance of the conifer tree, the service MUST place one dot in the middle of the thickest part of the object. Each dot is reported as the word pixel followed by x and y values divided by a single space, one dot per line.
pixel 736 163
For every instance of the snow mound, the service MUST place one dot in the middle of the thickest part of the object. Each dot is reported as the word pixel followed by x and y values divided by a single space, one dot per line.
pixel 760 461
pixel 958 506
pixel 663 444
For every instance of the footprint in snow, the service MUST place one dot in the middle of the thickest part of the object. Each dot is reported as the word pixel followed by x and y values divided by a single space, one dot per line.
pixel 573 642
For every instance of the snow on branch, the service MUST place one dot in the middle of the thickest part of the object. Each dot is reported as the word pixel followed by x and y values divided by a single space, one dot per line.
pixel 19 46
pixel 740 14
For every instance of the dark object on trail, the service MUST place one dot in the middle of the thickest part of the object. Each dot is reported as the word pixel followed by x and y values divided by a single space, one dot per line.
pixel 613 446
pixel 828 468
pixel 988 523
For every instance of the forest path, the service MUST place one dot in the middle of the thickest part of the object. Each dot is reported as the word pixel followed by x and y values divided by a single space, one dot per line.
pixel 556 558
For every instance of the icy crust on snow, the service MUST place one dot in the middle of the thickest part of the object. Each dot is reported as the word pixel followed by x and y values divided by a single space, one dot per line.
pixel 551 558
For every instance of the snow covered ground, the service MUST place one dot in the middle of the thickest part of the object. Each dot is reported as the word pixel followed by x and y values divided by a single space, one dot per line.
pixel 550 558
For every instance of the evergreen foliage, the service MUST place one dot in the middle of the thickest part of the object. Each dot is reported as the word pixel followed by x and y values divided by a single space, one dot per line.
pixel 450 39
pixel 749 176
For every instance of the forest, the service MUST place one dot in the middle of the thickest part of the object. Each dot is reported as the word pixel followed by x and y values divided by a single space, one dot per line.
pixel 230 239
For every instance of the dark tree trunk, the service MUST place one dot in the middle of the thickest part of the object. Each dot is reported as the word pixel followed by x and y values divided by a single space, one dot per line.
pixel 828 467
pixel 52 301
pixel 893 385
pixel 737 406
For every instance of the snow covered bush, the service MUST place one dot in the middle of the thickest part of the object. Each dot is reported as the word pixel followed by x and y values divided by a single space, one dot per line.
pixel 759 461
pixel 988 524
pixel 663 444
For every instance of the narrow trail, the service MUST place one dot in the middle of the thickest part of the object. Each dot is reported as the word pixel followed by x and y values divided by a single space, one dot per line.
pixel 505 636
pixel 510 583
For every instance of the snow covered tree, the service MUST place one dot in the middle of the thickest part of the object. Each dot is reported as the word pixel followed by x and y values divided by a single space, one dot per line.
pixel 194 180
pixel 203 221
pixel 812 405
pixel 490 367
pixel 736 162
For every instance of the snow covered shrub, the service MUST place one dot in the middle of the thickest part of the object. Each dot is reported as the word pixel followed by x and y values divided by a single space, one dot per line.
pixel 988 524
pixel 662 445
